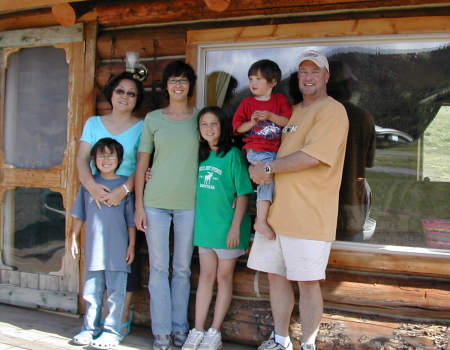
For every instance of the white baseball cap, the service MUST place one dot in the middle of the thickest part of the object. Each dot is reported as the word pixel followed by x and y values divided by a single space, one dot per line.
pixel 317 57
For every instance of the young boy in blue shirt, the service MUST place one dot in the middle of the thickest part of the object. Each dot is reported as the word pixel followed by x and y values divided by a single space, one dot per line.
pixel 109 249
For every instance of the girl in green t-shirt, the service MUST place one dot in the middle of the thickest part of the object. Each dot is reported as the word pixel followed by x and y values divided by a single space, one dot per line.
pixel 222 232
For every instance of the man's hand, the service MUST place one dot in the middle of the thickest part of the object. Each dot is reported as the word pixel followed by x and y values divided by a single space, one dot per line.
pixel 258 175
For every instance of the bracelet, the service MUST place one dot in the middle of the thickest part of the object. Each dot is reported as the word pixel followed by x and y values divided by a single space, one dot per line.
pixel 127 191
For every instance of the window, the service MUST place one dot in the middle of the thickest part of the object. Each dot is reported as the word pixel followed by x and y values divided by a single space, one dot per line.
pixel 404 82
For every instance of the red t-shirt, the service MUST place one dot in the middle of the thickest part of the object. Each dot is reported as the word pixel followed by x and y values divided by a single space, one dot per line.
pixel 266 135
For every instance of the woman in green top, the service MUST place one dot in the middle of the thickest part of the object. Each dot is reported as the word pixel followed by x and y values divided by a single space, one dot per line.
pixel 169 135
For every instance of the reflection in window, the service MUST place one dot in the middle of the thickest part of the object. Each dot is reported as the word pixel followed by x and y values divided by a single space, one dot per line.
pixel 35 127
pixel 34 230
pixel 405 86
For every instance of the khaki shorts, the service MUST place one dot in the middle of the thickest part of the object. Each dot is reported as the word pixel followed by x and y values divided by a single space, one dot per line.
pixel 295 258
pixel 223 254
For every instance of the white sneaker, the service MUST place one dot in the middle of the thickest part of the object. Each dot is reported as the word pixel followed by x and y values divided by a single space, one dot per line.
pixel 193 340
pixel 212 340
pixel 271 344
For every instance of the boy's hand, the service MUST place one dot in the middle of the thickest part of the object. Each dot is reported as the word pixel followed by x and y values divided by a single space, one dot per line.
pixel 254 119
pixel 130 255
pixel 233 238
pixel 264 115
pixel 74 248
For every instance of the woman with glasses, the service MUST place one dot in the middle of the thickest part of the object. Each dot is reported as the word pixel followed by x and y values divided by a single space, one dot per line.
pixel 169 135
pixel 125 95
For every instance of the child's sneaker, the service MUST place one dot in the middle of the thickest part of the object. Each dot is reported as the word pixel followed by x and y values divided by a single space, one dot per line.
pixel 308 347
pixel 179 338
pixel 271 344
pixel 162 342
pixel 193 340
pixel 211 341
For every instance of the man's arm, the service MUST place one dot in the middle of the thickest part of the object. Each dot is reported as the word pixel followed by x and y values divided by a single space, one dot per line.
pixel 296 161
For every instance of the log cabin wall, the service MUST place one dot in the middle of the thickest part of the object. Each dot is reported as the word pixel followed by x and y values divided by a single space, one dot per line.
pixel 158 30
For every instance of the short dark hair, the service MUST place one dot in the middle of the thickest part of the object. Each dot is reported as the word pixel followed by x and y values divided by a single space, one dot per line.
pixel 115 81
pixel 268 69
pixel 110 144
pixel 226 133
pixel 179 69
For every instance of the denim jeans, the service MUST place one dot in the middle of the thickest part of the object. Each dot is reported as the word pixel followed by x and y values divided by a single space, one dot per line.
pixel 94 288
pixel 169 302
pixel 263 192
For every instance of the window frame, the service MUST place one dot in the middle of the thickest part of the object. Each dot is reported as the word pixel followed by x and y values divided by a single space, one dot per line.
pixel 360 256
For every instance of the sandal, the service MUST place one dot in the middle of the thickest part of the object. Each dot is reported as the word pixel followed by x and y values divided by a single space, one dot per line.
pixel 128 324
pixel 83 338
pixel 105 341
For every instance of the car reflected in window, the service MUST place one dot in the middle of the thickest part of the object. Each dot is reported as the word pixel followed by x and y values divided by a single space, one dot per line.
pixel 387 137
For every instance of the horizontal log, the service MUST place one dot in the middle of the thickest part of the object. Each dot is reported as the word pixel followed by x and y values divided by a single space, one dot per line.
pixel 114 14
pixel 149 42
pixel 155 69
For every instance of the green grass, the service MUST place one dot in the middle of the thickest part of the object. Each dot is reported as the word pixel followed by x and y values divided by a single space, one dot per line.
pixel 436 160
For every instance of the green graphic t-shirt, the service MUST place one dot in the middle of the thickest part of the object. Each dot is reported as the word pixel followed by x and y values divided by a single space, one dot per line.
pixel 220 181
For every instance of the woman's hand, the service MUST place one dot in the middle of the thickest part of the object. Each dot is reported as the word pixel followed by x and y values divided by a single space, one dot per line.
pixel 98 192
pixel 233 238
pixel 114 197
pixel 140 219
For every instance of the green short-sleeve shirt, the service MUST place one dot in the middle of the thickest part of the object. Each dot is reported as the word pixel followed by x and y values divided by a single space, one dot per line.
pixel 220 181
pixel 174 145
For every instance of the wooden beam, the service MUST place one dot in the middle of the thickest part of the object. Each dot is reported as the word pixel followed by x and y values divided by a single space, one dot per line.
pixel 16 5
pixel 68 14
pixel 41 36
pixel 113 13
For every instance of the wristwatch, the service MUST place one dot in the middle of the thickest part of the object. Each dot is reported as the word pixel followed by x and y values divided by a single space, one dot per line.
pixel 268 168
pixel 127 191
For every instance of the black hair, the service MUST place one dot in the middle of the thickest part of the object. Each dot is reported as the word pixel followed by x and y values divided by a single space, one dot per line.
pixel 110 144
pixel 115 81
pixel 179 69
pixel 268 69
pixel 226 134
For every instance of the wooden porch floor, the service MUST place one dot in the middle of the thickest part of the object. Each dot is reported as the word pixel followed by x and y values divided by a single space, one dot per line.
pixel 22 328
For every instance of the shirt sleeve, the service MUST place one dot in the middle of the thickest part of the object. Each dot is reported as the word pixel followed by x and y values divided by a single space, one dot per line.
pixel 129 210
pixel 241 116
pixel 89 131
pixel 79 209
pixel 147 140
pixel 241 178
pixel 285 107
pixel 328 134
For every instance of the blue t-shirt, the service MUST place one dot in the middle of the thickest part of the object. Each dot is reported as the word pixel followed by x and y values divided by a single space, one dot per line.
pixel 106 229
pixel 94 130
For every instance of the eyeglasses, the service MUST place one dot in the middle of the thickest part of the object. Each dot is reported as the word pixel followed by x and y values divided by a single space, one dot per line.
pixel 178 81
pixel 109 156
pixel 130 94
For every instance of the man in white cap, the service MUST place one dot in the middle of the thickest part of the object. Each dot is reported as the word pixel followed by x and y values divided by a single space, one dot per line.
pixel 308 171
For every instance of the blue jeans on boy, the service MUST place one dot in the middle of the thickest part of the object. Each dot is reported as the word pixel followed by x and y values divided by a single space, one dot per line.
pixel 115 282
pixel 169 301
pixel 263 192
